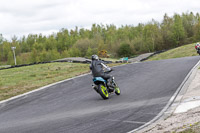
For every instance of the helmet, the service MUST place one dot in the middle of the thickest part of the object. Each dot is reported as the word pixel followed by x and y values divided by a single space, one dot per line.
pixel 95 57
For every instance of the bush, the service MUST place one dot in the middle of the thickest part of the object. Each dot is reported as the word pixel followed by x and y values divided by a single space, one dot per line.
pixel 103 54
pixel 124 50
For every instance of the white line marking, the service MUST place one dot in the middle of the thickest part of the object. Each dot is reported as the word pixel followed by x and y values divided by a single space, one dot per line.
pixel 115 120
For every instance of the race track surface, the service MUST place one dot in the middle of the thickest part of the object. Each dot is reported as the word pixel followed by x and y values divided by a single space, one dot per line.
pixel 74 107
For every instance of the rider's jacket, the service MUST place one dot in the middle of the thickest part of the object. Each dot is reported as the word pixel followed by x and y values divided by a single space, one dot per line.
pixel 97 67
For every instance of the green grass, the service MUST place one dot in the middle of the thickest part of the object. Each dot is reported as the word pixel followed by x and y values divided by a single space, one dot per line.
pixel 16 81
pixel 195 128
pixel 182 51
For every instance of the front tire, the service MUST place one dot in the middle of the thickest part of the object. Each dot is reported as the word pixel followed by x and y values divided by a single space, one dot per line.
pixel 117 90
pixel 103 91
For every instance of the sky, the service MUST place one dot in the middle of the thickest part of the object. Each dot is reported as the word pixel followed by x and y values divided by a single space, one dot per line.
pixel 23 17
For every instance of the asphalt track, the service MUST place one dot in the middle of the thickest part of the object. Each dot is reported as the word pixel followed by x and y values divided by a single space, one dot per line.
pixel 73 107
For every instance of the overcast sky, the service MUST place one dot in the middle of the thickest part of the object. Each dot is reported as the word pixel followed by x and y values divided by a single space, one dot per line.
pixel 23 17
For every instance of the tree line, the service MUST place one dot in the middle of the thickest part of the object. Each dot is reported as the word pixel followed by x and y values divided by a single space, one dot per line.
pixel 121 41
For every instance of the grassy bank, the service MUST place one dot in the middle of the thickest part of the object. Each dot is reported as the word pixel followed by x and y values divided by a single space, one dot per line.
pixel 183 51
pixel 23 79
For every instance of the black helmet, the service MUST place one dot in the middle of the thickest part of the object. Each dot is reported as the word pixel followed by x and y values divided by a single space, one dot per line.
pixel 95 57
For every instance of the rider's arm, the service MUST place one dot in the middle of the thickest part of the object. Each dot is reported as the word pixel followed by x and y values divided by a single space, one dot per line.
pixel 106 67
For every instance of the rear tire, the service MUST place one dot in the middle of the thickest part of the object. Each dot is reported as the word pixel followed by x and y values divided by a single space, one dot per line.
pixel 103 91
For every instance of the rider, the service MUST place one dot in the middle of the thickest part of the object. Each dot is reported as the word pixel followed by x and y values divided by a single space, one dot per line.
pixel 99 69
pixel 197 46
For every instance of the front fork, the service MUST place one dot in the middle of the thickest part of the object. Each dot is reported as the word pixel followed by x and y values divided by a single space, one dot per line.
pixel 112 85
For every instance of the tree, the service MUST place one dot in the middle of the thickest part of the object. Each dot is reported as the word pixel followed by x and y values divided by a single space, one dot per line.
pixel 84 33
pixel 14 40
pixel 10 58
pixel 65 54
pixel 189 21
pixel 38 46
pixel 137 44
pixel 124 50
pixel 152 36
pixel 43 56
pixel 74 35
pixel 24 46
pixel 197 32
pixel 34 56
pixel 74 52
pixel 5 50
pixel 166 32
pixel 83 45
pixel 178 30
pixel 89 52
pixel 63 40
pixel 50 43
pixel 31 39
pixel 53 55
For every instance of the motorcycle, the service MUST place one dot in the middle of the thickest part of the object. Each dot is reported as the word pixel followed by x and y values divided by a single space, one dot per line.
pixel 101 87
pixel 197 47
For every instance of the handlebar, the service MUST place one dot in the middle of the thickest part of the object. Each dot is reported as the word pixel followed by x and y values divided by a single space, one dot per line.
pixel 109 71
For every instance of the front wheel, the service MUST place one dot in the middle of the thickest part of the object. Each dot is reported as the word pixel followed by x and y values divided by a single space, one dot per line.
pixel 103 91
pixel 117 90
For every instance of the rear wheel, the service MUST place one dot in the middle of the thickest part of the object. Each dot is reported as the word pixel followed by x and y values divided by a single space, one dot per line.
pixel 103 91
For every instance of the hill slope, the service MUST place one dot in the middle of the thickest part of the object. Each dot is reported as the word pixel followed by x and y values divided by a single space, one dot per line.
pixel 182 51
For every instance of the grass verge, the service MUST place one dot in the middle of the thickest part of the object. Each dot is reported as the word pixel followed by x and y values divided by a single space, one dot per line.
pixel 182 51
pixel 23 79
